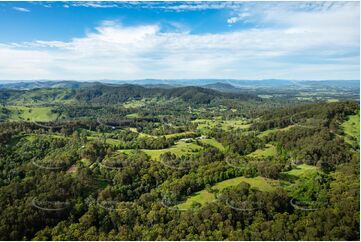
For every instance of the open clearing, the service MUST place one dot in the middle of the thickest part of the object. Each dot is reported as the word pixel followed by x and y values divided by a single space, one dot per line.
pixel 39 114
pixel 269 150
pixel 214 143
pixel 302 170
pixel 205 125
pixel 203 197
pixel 135 103
pixel 351 128
pixel 180 148
pixel 270 131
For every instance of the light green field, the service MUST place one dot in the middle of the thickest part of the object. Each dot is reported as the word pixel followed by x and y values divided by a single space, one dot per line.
pixel 107 140
pixel 168 136
pixel 241 124
pixel 133 115
pixel 180 148
pixel 269 150
pixel 351 128
pixel 207 124
pixel 141 134
pixel 204 124
pixel 270 131
pixel 44 96
pixel 134 103
pixel 86 162
pixel 302 170
pixel 31 137
pixel 199 120
pixel 32 113
pixel 332 100
pixel 201 197
pixel 260 183
pixel 176 135
pixel 133 130
pixel 204 196
pixel 214 143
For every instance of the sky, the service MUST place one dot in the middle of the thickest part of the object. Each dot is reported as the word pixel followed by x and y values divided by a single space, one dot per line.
pixel 179 40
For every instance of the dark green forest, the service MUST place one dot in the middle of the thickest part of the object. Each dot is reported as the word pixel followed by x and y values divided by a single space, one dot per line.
pixel 127 162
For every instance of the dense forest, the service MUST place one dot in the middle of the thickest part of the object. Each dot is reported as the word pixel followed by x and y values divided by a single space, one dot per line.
pixel 127 162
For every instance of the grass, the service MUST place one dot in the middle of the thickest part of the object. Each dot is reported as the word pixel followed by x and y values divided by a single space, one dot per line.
pixel 86 162
pixel 44 96
pixel 269 131
pixel 168 136
pixel 203 197
pixel 32 137
pixel 40 114
pixel 180 148
pixel 205 125
pixel 241 124
pixel 133 115
pixel 259 183
pixel 351 127
pixel 288 179
pixel 269 150
pixel 134 103
pixel 107 140
pixel 213 142
pixel 176 135
pixel 302 170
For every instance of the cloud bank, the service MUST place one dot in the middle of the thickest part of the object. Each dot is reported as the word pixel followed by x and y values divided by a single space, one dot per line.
pixel 291 42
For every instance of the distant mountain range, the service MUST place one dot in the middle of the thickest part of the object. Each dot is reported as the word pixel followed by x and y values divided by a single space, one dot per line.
pixel 104 94
pixel 216 84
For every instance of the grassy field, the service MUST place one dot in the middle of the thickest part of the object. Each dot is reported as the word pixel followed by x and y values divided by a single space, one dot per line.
pixel 269 150
pixel 44 96
pixel 214 143
pixel 206 124
pixel 302 170
pixel 135 103
pixel 177 135
pixel 180 148
pixel 204 196
pixel 351 128
pixel 201 197
pixel 32 113
pixel 228 124
pixel 32 137
pixel 133 115
pixel 259 183
pixel 108 140
pixel 269 131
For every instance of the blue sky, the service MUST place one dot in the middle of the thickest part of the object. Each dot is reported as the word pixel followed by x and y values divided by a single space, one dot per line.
pixel 179 40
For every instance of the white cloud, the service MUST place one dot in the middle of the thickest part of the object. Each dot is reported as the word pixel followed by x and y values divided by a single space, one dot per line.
pixel 239 17
pixel 170 6
pixel 21 9
pixel 322 44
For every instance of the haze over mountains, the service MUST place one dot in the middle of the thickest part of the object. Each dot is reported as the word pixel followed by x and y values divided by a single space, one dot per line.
pixel 218 84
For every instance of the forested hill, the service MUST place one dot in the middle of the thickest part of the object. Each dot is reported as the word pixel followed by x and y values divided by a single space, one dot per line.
pixel 113 94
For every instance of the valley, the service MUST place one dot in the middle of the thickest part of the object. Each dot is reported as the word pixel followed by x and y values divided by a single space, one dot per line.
pixel 123 157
